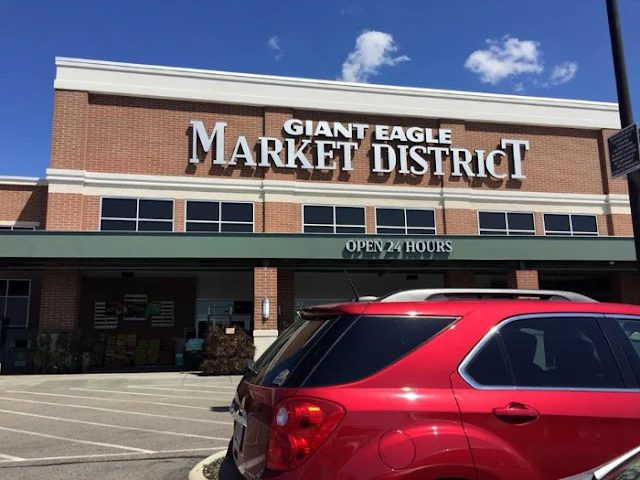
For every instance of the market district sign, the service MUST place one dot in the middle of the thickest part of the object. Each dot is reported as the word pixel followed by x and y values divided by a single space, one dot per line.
pixel 415 150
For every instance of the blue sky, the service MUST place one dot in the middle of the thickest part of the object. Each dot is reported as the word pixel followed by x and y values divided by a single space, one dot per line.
pixel 553 48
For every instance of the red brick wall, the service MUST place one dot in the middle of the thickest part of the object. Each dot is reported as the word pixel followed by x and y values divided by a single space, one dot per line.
pixel 65 212
pixel 60 300
pixel 23 203
pixel 523 279
pixel 283 217
pixel 265 284
pixel 68 139
pixel 285 297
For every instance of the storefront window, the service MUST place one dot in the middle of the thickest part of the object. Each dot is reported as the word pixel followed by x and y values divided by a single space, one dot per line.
pixel 506 223
pixel 206 216
pixel 14 302
pixel 133 214
pixel 15 227
pixel 404 221
pixel 333 219
pixel 556 224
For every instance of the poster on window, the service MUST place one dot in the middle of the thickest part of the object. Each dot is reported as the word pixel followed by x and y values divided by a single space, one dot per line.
pixel 135 308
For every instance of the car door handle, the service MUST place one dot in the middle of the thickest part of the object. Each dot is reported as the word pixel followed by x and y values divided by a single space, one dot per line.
pixel 516 413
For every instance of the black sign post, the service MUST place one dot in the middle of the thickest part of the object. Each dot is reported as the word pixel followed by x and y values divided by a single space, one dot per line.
pixel 626 116
pixel 624 151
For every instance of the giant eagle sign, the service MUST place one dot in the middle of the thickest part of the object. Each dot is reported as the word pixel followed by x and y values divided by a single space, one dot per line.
pixel 411 150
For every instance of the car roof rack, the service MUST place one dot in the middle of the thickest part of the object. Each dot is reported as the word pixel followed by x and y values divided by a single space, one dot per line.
pixel 419 295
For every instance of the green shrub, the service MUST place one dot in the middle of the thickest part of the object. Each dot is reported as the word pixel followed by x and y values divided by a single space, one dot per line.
pixel 227 354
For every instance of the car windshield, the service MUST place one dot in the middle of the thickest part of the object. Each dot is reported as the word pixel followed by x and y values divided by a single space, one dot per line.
pixel 629 470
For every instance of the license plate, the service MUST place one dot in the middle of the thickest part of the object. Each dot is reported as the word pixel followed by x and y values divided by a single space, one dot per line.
pixel 238 434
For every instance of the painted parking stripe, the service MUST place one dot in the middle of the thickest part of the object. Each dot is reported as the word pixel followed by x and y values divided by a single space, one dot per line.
pixel 169 389
pixel 100 409
pixel 103 399
pixel 74 440
pixel 195 385
pixel 190 397
pixel 115 455
pixel 108 425
pixel 10 458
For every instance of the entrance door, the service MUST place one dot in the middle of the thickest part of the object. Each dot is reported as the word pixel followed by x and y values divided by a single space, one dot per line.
pixel 544 397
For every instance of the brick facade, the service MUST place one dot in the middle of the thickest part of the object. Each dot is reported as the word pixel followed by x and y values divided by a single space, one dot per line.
pixel 523 279
pixel 265 285
pixel 60 300
pixel 24 203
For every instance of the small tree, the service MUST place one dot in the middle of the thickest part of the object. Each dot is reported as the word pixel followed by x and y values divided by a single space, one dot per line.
pixel 227 353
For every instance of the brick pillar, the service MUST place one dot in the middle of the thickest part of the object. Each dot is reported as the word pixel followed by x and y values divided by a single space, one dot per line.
pixel 265 284
pixel 523 279
pixel 60 300
pixel 459 279
pixel 285 298
pixel 626 287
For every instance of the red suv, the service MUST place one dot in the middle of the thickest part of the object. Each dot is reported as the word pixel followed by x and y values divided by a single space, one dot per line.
pixel 431 384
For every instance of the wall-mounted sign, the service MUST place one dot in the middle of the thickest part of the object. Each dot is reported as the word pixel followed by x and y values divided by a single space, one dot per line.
pixel 400 246
pixel 331 146
pixel 624 151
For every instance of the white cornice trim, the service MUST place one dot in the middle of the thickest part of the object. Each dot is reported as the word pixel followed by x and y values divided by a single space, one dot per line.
pixel 25 181
pixel 114 78
pixel 95 183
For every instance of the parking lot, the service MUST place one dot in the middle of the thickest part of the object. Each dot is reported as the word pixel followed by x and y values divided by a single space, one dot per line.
pixel 111 426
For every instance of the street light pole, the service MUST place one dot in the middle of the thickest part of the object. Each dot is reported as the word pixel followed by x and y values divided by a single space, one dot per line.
pixel 626 115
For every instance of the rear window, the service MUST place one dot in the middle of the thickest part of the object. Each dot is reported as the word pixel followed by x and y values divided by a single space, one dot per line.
pixel 342 350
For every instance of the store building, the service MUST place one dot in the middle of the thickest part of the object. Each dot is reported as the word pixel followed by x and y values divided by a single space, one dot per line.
pixel 238 198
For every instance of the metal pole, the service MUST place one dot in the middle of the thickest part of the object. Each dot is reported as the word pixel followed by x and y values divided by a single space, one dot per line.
pixel 626 115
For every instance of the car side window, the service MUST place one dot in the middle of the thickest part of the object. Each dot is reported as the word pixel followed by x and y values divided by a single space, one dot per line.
pixel 631 332
pixel 488 367
pixel 560 352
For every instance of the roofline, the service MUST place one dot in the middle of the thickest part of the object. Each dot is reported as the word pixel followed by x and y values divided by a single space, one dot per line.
pixel 190 84
pixel 24 181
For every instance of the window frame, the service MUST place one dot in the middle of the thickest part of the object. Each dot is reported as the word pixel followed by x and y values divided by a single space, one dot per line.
pixel 602 321
pixel 334 225
pixel 219 221
pixel 507 230
pixel 406 227
pixel 137 219
pixel 18 226
pixel 6 296
pixel 570 233
pixel 629 353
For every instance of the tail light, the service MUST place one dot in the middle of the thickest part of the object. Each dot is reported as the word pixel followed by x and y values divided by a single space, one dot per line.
pixel 300 426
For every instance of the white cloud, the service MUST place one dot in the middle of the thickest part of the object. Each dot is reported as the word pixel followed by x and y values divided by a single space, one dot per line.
pixel 518 87
pixel 505 58
pixel 353 9
pixel 274 44
pixel 562 73
pixel 373 50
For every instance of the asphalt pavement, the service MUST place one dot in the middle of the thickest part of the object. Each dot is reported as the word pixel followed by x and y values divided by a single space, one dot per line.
pixel 153 426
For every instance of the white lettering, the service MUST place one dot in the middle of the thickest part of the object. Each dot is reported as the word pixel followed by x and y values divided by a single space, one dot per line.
pixel 360 130
pixel 415 134
pixel 517 158
pixel 448 246
pixel 382 132
pixel 428 136
pixel 465 164
pixel 350 246
pixel 491 163
pixel 438 151
pixel 409 246
pixel 404 168
pixel 293 154
pixel 421 246
pixel 397 133
pixel 293 127
pixel 323 129
pixel 413 153
pixel 266 154
pixel 377 158
pixel 341 130
pixel 242 151
pixel 199 132
pixel 482 172
pixel 325 154
pixel 346 153
pixel 444 134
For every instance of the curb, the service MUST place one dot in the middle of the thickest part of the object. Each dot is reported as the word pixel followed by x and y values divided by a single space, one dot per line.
pixel 196 472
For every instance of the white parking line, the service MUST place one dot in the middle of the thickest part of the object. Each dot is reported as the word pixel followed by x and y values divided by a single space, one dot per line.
pixel 103 399
pixel 85 442
pixel 197 385
pixel 10 458
pixel 86 407
pixel 177 390
pixel 109 455
pixel 191 397
pixel 119 427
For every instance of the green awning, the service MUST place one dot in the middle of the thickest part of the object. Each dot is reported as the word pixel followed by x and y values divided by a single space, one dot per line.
pixel 110 245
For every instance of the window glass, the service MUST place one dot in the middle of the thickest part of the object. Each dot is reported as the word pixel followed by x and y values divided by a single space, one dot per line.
pixel 16 311
pixel 153 226
pixel 351 357
pixel 5 227
pixel 488 367
pixel 318 215
pixel 349 216
pixel 156 209
pixel 560 352
pixel 520 221
pixel 318 229
pixel 237 212
pixel 208 211
pixel 421 231
pixel 119 207
pixel 390 217
pixel 556 223
pixel 350 230
pixel 118 225
pixel 631 329
pixel 3 287
pixel 18 288
pixel 492 220
pixel 203 227
pixel 237 227
pixel 23 228
pixel 390 231
pixel 584 223
pixel 421 218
